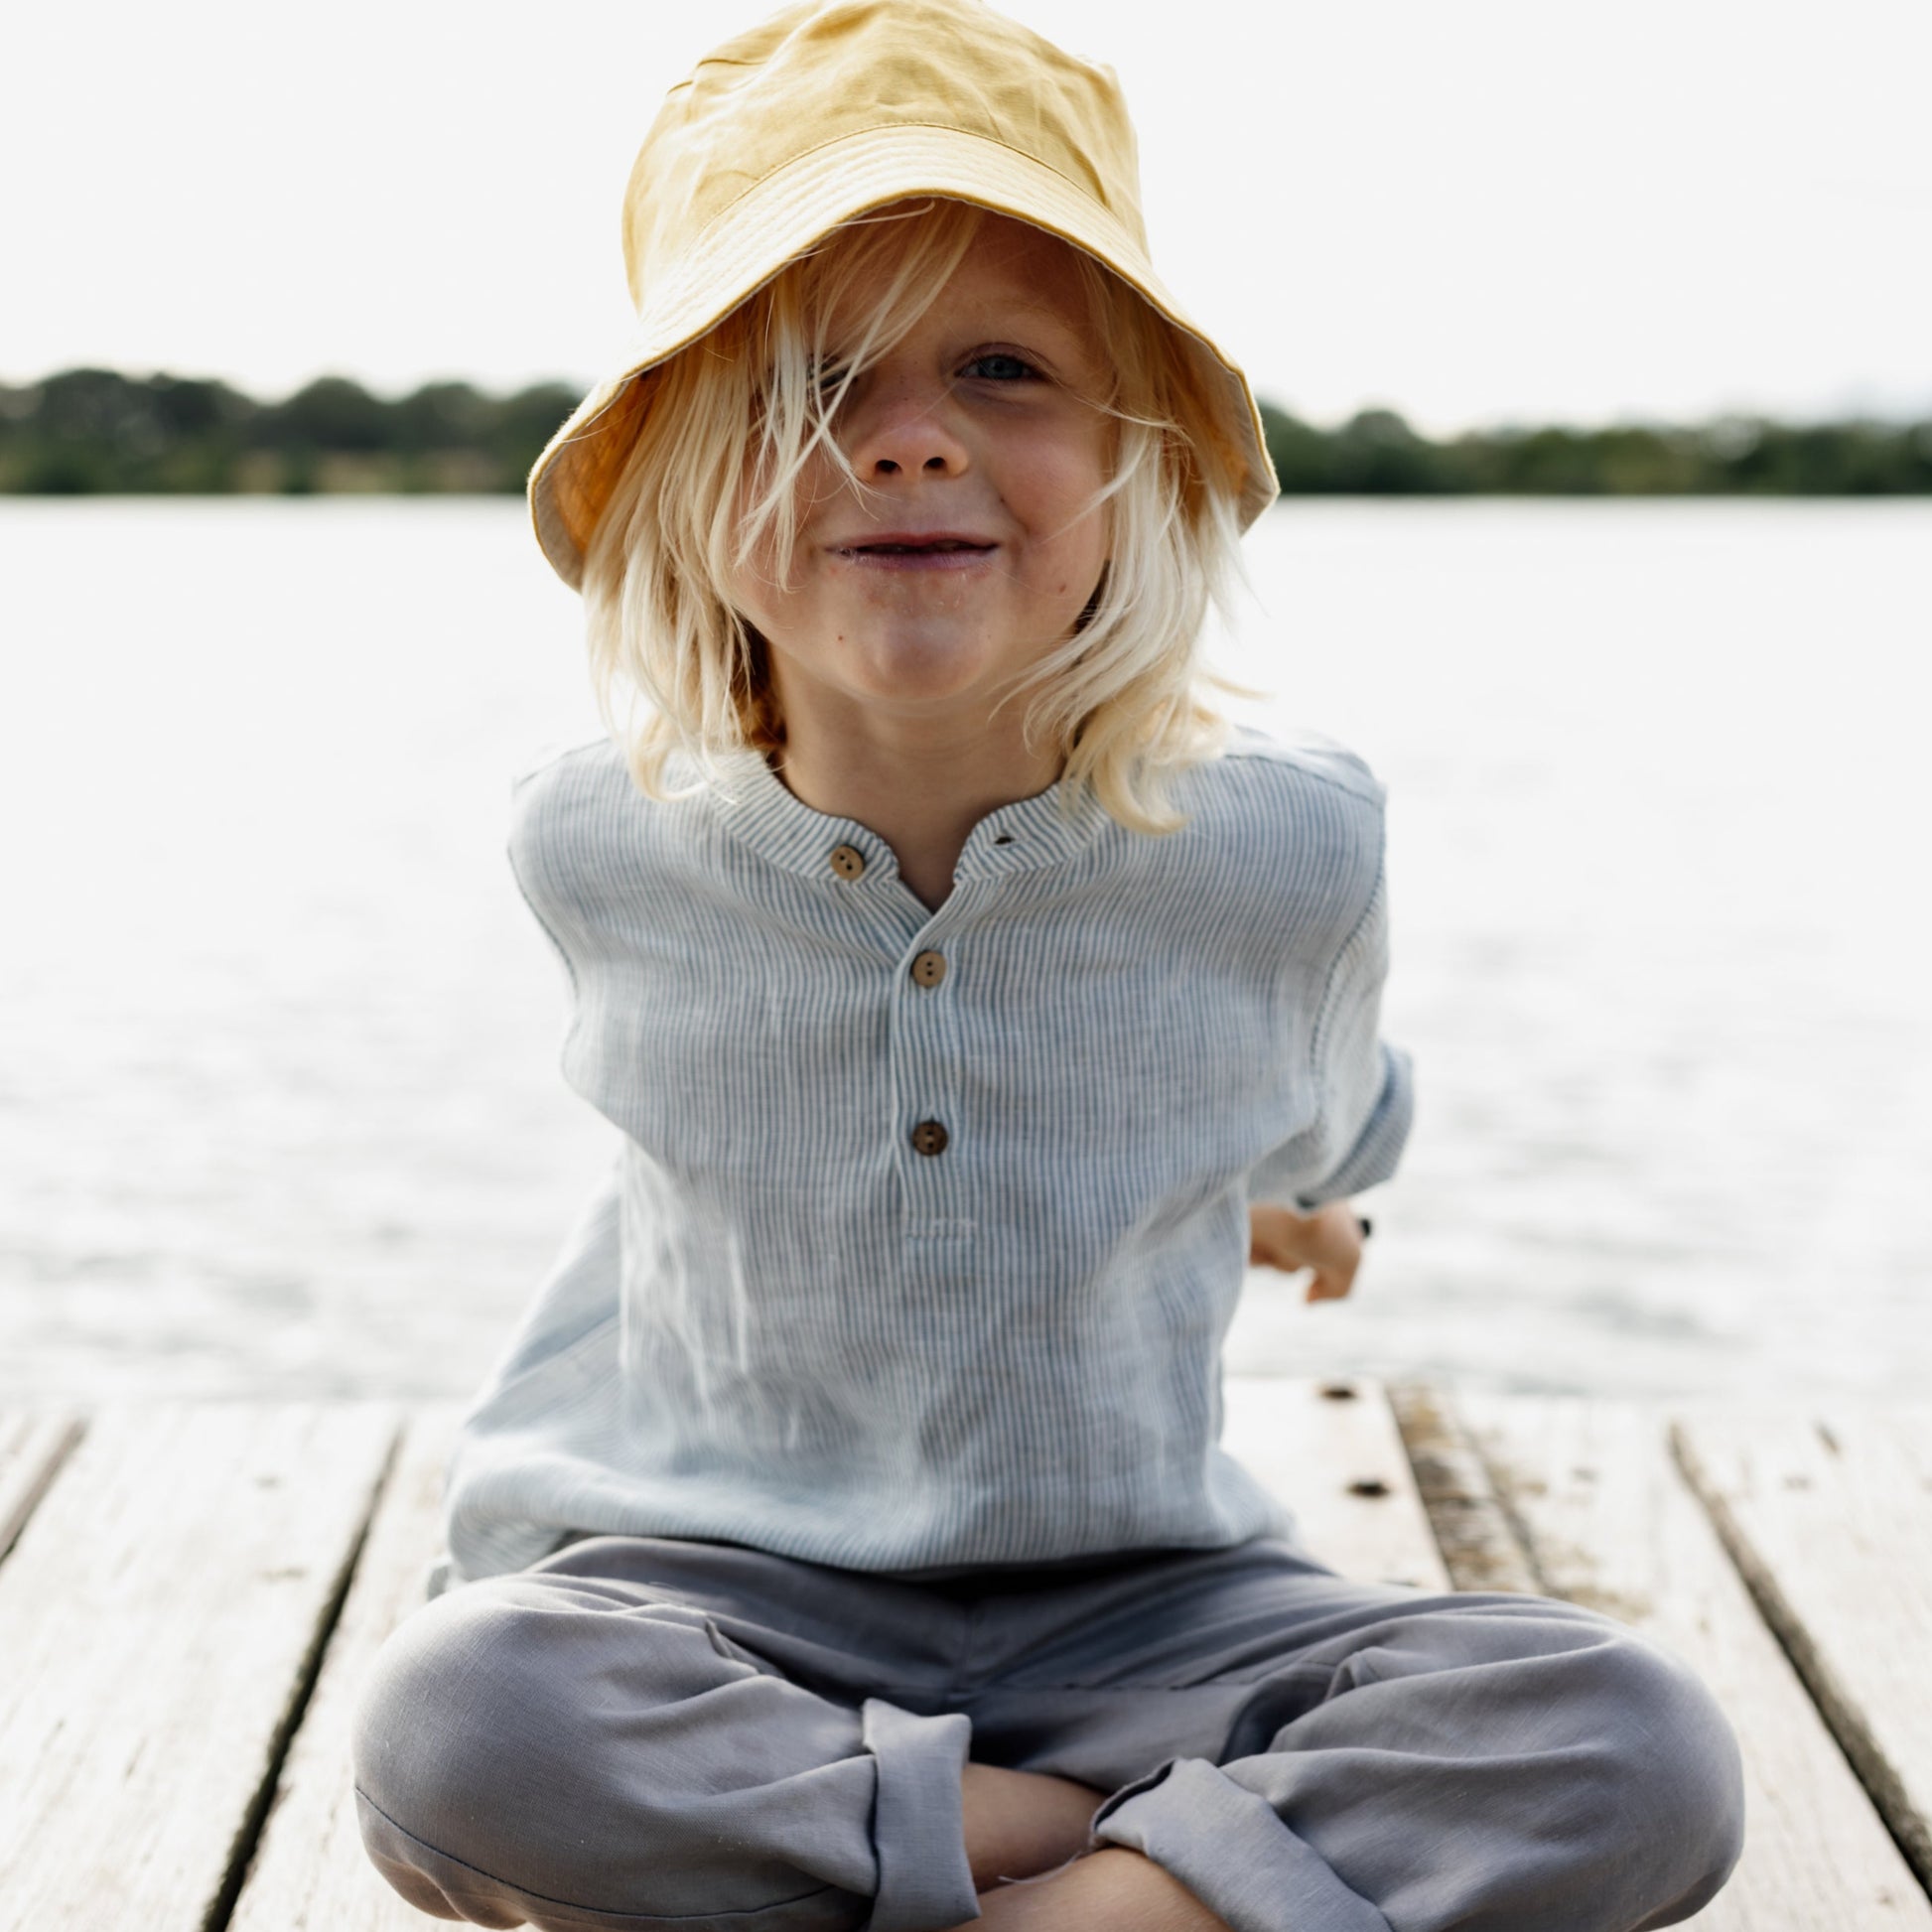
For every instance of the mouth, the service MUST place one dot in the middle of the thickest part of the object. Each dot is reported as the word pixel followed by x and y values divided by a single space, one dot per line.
pixel 906 550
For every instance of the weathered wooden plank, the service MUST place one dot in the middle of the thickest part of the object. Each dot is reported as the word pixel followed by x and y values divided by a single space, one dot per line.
pixel 1830 1522
pixel 310 1872
pixel 1332 1451
pixel 1610 1522
pixel 1470 1525
pixel 159 1619
pixel 32 1445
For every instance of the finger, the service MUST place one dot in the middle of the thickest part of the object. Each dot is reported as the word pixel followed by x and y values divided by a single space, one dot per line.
pixel 1340 1258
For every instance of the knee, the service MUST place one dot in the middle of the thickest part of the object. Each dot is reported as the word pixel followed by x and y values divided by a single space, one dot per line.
pixel 529 1747
pixel 1646 1773
pixel 477 1772
pixel 438 1717
pixel 1675 1772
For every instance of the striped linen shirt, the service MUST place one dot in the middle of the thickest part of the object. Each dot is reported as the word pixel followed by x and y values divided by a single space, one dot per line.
pixel 926 1225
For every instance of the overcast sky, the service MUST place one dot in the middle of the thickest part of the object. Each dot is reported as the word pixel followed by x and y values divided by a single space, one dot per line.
pixel 1478 211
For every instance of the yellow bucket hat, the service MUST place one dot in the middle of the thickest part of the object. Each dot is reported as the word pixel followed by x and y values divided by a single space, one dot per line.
pixel 829 110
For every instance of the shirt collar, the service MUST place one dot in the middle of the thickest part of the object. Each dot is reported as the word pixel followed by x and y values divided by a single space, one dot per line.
pixel 756 807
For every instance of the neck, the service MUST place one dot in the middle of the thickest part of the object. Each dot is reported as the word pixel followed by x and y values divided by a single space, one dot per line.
pixel 920 784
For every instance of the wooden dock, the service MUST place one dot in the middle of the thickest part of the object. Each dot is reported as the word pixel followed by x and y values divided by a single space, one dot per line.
pixel 189 1594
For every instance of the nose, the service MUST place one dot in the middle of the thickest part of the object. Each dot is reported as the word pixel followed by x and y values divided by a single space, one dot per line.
pixel 906 427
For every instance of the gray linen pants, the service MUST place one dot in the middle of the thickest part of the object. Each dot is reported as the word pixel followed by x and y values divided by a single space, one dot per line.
pixel 637 1732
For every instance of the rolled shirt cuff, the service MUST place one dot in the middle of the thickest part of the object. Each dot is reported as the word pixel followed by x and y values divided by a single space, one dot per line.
pixel 1378 1147
pixel 919 1824
pixel 1231 1851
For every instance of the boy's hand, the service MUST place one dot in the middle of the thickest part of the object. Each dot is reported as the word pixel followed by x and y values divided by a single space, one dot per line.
pixel 1330 1240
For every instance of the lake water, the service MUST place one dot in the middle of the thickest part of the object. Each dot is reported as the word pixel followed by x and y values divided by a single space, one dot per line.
pixel 279 1102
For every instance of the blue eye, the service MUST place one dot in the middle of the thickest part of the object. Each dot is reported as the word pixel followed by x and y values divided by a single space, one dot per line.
pixel 998 367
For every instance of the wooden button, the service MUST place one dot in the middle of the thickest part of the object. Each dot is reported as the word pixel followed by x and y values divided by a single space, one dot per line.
pixel 930 1138
pixel 848 861
pixel 930 968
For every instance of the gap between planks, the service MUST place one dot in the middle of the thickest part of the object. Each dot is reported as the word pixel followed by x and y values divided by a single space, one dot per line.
pixel 32 1448
pixel 1827 1519
pixel 161 1613
pixel 1611 1523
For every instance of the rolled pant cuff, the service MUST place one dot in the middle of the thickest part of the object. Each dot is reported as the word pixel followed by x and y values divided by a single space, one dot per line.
pixel 1230 1849
pixel 919 1824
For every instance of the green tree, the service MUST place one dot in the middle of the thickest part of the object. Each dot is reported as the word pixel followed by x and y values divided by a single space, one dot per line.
pixel 526 422
pixel 1301 454
pixel 443 416
pixel 1378 454
pixel 331 413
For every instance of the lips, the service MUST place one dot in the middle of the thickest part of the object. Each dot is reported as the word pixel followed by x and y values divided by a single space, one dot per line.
pixel 905 543
pixel 918 549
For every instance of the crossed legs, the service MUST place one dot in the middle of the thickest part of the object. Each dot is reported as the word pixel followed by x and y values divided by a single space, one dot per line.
pixel 639 1732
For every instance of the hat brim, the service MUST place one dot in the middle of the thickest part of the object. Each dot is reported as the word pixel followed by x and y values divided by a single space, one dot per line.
pixel 789 212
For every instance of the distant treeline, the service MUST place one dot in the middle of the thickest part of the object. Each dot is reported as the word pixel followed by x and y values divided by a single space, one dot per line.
pixel 90 432
pixel 1376 452
pixel 96 432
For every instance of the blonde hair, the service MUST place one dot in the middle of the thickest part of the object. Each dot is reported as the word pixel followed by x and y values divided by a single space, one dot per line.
pixel 729 423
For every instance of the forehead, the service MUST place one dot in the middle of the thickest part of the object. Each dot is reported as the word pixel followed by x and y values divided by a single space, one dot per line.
pixel 1027 264
pixel 1006 265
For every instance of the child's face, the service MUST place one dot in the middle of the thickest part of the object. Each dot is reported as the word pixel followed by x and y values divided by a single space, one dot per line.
pixel 976 543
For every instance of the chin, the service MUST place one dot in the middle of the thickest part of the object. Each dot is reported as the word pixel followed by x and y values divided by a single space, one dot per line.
pixel 914 668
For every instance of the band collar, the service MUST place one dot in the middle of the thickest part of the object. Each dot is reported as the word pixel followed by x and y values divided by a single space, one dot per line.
pixel 756 807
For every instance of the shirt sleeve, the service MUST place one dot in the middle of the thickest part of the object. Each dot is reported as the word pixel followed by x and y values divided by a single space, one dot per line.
pixel 1364 1087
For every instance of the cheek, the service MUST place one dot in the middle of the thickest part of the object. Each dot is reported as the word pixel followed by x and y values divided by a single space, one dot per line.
pixel 1073 534
pixel 1061 478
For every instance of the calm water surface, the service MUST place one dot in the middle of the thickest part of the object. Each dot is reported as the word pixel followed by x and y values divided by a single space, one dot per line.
pixel 279 1107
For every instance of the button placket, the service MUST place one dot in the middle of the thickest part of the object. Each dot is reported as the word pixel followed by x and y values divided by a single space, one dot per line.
pixel 926 1047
